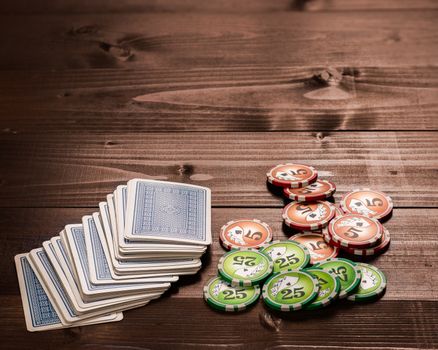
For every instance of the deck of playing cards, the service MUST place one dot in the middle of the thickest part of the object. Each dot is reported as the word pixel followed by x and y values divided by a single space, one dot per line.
pixel 141 239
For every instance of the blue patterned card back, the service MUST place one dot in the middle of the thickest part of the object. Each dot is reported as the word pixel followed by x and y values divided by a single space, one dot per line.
pixel 41 310
pixel 99 259
pixel 170 210
pixel 59 289
pixel 79 244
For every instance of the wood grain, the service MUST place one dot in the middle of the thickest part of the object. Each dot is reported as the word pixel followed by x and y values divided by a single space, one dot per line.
pixel 221 6
pixel 219 99
pixel 79 169
pixel 409 264
pixel 192 41
pixel 94 93
pixel 184 323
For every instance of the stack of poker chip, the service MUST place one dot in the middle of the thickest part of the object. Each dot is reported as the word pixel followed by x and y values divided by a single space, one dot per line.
pixel 304 271
pixel 354 227
pixel 360 232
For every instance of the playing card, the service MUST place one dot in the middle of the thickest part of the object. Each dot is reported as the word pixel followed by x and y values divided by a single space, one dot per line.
pixel 116 265
pixel 180 267
pixel 38 310
pixel 149 266
pixel 57 256
pixel 74 240
pixel 142 238
pixel 104 230
pixel 60 296
pixel 124 247
pixel 167 212
pixel 98 257
pixel 55 291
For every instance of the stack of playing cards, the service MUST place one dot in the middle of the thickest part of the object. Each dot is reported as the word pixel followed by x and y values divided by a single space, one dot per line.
pixel 142 238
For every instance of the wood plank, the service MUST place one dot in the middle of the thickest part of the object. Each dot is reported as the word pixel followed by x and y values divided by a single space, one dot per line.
pixel 79 169
pixel 189 323
pixel 91 100
pixel 185 40
pixel 219 99
pixel 410 263
pixel 222 6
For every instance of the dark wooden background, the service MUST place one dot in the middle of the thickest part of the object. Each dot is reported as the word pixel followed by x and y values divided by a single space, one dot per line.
pixel 93 93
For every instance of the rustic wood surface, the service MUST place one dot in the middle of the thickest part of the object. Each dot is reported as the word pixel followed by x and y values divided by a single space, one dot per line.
pixel 79 169
pixel 93 93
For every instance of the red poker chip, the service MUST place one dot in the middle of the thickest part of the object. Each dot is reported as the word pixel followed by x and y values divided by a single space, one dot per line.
pixel 308 216
pixel 328 239
pixel 245 233
pixel 367 202
pixel 338 212
pixel 319 249
pixel 355 231
pixel 319 190
pixel 386 239
pixel 292 175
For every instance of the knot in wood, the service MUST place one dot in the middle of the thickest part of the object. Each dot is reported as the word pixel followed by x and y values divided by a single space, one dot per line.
pixel 329 76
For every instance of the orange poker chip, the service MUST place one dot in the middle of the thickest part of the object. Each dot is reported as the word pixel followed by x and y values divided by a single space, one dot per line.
pixel 245 233
pixel 378 249
pixel 386 239
pixel 292 175
pixel 355 231
pixel 338 212
pixel 367 202
pixel 319 190
pixel 308 216
pixel 318 248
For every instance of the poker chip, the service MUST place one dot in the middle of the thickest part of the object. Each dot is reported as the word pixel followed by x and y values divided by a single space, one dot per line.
pixel 347 272
pixel 287 255
pixel 328 239
pixel 308 216
pixel 290 290
pixel 282 265
pixel 292 175
pixel 245 233
pixel 329 287
pixel 355 231
pixel 319 190
pixel 220 295
pixel 373 250
pixel 316 245
pixel 367 202
pixel 338 212
pixel 245 267
pixel 372 285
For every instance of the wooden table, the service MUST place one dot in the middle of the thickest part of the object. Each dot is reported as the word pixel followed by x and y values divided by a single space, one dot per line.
pixel 94 93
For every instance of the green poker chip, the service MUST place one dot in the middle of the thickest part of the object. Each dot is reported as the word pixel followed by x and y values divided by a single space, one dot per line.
pixel 372 285
pixel 287 255
pixel 329 287
pixel 347 272
pixel 220 295
pixel 290 290
pixel 245 267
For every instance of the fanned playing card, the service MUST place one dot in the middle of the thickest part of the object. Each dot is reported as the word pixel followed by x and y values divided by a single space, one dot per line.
pixel 144 236
pixel 168 212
